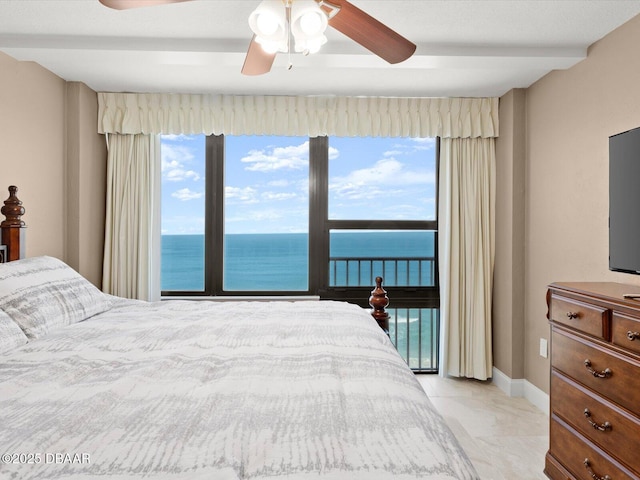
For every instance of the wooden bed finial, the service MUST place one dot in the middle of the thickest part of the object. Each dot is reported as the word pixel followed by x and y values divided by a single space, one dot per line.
pixel 13 226
pixel 379 302
pixel 12 209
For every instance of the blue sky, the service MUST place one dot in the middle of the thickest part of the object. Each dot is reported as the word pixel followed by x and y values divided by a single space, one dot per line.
pixel 267 187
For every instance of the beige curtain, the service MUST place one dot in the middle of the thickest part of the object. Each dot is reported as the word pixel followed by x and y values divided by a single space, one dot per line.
pixel 132 219
pixel 466 230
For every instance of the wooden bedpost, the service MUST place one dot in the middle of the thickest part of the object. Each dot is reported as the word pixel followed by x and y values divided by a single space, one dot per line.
pixel 13 235
pixel 379 302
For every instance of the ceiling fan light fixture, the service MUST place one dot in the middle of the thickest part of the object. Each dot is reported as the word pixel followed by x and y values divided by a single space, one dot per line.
pixel 311 23
pixel 268 21
pixel 308 24
pixel 266 24
pixel 307 18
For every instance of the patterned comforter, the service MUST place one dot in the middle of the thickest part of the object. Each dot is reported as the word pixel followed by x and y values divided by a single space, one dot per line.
pixel 221 391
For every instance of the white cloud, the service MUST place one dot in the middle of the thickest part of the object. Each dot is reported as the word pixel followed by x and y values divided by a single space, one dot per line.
pixel 241 194
pixel 184 194
pixel 428 142
pixel 278 195
pixel 293 157
pixel 386 176
pixel 174 158
pixel 265 220
pixel 173 155
pixel 178 174
pixel 392 153
pixel 279 183
pixel 412 146
pixel 181 137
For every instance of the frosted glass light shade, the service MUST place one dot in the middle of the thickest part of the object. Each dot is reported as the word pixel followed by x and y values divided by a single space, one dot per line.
pixel 271 46
pixel 311 23
pixel 310 45
pixel 314 44
pixel 266 24
pixel 308 24
pixel 268 21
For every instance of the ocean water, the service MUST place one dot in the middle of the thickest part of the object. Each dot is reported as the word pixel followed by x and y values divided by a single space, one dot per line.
pixel 279 262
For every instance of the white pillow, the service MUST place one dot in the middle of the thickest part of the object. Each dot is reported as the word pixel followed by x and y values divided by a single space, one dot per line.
pixel 11 335
pixel 43 293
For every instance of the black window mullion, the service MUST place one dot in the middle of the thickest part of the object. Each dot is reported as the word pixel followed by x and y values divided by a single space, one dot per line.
pixel 214 214
pixel 382 225
pixel 318 213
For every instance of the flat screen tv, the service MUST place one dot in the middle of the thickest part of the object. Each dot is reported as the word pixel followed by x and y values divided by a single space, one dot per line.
pixel 624 202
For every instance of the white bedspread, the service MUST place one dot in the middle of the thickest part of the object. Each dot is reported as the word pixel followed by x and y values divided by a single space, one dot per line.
pixel 221 391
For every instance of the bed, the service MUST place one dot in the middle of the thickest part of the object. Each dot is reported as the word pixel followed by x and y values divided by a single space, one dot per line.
pixel 93 385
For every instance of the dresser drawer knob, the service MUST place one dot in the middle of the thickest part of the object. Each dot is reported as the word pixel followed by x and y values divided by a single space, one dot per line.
pixel 605 427
pixel 572 315
pixel 592 473
pixel 633 335
pixel 606 373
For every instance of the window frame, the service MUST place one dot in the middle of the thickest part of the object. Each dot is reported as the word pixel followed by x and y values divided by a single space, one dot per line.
pixel 404 296
pixel 319 230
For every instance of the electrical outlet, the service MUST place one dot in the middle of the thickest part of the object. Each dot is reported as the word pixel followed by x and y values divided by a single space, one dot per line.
pixel 543 348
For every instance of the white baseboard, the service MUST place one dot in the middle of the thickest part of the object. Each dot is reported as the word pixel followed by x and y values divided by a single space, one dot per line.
pixel 520 387
pixel 510 386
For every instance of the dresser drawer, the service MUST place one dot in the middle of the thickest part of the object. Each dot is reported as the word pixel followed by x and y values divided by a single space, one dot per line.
pixel 603 423
pixel 584 460
pixel 554 470
pixel 589 319
pixel 625 332
pixel 612 376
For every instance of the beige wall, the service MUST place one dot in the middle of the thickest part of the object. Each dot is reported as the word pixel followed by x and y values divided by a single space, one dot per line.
pixel 570 115
pixel 32 150
pixel 50 151
pixel 85 183
pixel 508 293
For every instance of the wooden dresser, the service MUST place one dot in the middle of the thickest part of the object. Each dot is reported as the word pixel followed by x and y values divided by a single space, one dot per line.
pixel 595 382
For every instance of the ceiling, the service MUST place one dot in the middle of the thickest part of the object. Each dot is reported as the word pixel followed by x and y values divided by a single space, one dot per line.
pixel 464 48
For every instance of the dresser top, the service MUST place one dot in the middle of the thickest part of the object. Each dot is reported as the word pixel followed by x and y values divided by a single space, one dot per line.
pixel 605 290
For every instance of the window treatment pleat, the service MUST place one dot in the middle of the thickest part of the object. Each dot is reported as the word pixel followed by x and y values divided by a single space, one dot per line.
pixel 157 113
pixel 132 221
pixel 466 243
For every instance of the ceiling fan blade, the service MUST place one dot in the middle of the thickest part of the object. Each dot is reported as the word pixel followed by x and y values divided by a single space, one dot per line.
pixel 124 4
pixel 257 60
pixel 369 32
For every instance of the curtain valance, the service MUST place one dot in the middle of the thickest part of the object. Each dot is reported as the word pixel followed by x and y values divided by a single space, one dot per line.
pixel 151 113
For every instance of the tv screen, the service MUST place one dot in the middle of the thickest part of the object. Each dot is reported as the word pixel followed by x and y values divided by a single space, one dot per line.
pixel 624 201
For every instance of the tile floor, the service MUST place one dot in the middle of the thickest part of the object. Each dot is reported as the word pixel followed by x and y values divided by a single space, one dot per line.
pixel 506 438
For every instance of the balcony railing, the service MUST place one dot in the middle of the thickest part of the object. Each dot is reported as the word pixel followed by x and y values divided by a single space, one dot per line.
pixel 414 331
pixel 356 272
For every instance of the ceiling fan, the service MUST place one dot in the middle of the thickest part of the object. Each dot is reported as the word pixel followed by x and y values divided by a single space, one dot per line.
pixel 339 14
